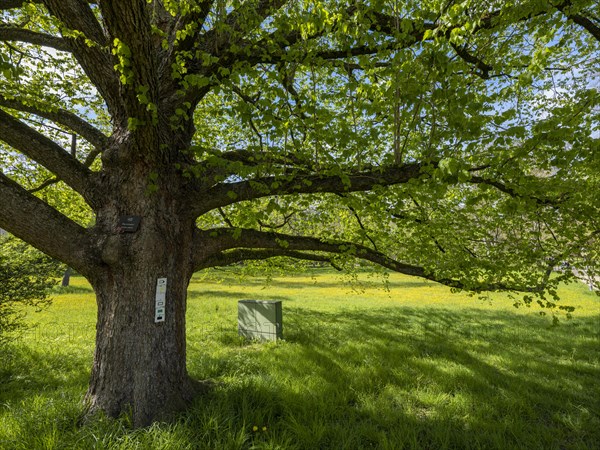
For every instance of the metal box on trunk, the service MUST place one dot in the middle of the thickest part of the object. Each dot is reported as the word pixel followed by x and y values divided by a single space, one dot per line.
pixel 260 319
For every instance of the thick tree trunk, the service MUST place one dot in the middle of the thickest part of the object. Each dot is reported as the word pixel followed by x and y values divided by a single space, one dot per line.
pixel 140 363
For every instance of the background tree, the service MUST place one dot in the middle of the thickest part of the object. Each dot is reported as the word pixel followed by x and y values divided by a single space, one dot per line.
pixel 26 277
pixel 450 140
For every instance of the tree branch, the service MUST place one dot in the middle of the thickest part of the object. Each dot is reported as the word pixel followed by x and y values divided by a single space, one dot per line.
pixel 502 187
pixel 286 220
pixel 276 48
pixel 221 240
pixel 14 33
pixel 238 23
pixel 224 35
pixel 11 4
pixel 90 48
pixel 463 53
pixel 225 218
pixel 62 117
pixel 236 256
pixel 32 220
pixel 305 182
pixel 225 194
pixel 585 23
pixel 130 24
pixel 217 161
pixel 78 16
pixel 360 223
pixel 49 154
pixel 272 49
pixel 267 51
pixel 44 185
pixel 223 246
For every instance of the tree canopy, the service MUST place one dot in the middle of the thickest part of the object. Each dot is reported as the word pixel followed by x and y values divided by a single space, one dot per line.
pixel 453 140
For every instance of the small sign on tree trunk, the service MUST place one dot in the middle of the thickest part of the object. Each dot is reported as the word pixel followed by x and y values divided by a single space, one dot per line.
pixel 129 224
pixel 161 295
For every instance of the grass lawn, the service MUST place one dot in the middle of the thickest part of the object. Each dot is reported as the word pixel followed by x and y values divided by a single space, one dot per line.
pixel 415 367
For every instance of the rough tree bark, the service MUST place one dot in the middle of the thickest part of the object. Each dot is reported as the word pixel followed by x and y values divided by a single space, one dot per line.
pixel 139 365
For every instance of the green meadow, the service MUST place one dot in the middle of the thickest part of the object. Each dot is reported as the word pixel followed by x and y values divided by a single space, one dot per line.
pixel 414 367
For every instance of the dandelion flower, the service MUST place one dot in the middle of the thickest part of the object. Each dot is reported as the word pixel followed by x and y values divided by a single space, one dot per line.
pixel 254 428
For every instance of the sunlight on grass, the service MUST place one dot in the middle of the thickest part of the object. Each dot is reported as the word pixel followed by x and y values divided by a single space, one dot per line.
pixel 412 367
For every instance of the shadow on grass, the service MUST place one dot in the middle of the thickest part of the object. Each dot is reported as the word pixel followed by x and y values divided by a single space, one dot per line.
pixel 401 377
pixel 422 378
pixel 26 373
pixel 204 294
pixel 60 290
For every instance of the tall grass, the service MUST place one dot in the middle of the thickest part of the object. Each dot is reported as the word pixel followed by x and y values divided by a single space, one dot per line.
pixel 412 367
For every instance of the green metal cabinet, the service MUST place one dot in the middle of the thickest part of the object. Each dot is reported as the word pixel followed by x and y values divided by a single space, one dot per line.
pixel 260 319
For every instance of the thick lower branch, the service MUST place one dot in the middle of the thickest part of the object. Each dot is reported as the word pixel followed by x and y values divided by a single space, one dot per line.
pixel 40 225
pixel 228 246
pixel 241 240
pixel 227 193
pixel 240 255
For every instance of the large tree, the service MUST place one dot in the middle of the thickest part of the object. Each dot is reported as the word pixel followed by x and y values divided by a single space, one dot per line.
pixel 455 141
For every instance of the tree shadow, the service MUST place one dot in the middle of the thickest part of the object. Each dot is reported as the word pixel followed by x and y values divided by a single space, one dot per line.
pixel 237 295
pixel 60 290
pixel 428 378
pixel 26 373
pixel 398 377
pixel 202 294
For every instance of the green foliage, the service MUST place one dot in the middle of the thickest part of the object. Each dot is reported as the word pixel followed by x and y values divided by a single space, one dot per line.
pixel 529 127
pixel 123 54
pixel 26 276
pixel 496 91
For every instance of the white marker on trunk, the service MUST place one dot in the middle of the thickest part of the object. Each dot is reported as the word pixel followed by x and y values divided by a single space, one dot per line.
pixel 161 295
